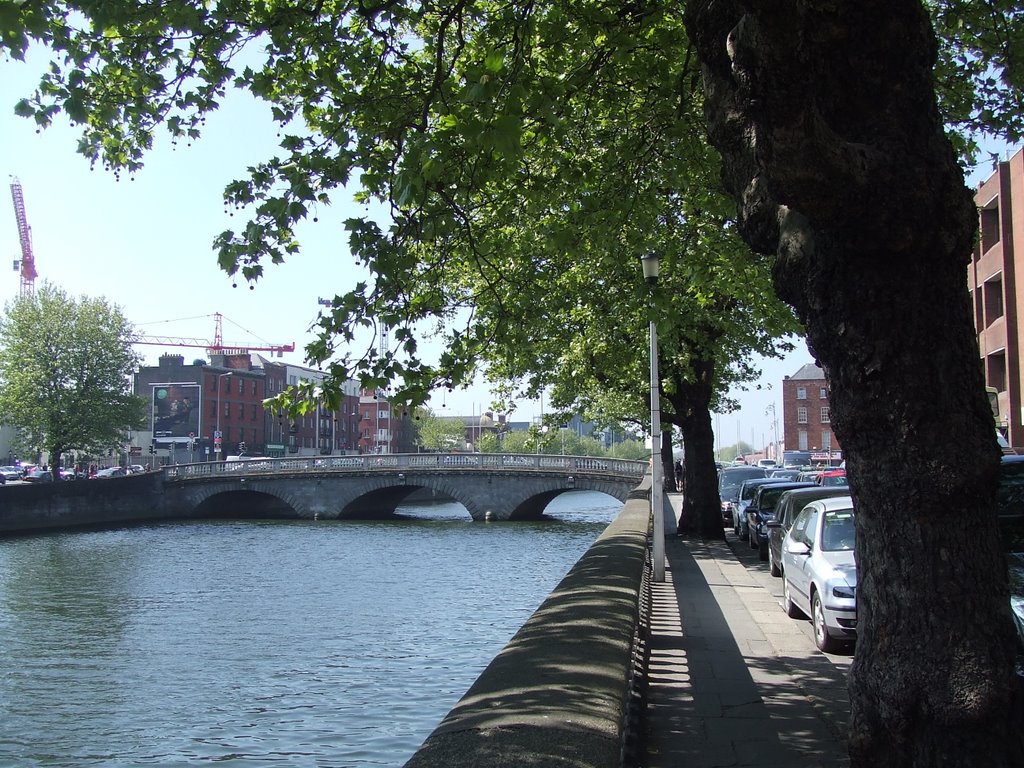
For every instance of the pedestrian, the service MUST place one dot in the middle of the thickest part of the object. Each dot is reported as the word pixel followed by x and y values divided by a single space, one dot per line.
pixel 679 475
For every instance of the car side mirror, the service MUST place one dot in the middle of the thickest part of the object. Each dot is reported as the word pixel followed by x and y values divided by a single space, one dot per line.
pixel 773 524
pixel 798 548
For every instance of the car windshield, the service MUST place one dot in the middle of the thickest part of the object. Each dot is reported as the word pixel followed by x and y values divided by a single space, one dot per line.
pixel 837 533
pixel 748 491
pixel 729 482
pixel 769 498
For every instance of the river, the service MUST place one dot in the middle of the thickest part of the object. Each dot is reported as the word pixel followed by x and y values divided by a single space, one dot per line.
pixel 276 643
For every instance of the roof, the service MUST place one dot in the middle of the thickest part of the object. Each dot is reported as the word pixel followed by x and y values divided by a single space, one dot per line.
pixel 834 503
pixel 809 371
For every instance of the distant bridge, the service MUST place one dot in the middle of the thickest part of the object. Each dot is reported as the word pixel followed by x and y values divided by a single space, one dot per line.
pixel 490 486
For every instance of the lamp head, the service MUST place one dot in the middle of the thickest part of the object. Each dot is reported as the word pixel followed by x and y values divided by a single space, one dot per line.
pixel 651 266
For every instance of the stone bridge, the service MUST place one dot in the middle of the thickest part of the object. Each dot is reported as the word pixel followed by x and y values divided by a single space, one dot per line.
pixel 489 486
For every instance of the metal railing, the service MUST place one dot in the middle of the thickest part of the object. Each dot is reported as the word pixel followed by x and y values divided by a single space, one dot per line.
pixel 412 461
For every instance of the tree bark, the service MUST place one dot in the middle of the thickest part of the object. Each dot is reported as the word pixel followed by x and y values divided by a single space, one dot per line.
pixel 833 147
pixel 691 400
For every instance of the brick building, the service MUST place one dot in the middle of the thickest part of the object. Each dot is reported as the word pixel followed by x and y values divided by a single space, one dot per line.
pixel 807 423
pixel 995 292
pixel 206 411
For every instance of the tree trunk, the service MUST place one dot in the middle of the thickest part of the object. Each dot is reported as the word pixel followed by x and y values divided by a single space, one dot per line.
pixel 691 400
pixel 668 470
pixel 832 144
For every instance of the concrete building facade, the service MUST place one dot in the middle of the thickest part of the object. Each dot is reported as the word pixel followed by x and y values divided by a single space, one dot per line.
pixel 996 293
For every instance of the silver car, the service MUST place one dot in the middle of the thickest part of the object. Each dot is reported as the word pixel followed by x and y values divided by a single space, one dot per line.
pixel 819 573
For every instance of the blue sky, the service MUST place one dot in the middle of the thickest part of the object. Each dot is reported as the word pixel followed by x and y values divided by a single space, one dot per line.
pixel 145 244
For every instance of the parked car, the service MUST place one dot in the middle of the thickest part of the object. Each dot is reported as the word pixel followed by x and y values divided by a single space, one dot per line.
pixel 833 477
pixel 110 472
pixel 789 505
pixel 746 495
pixel 39 476
pixel 1010 505
pixel 819 573
pixel 762 509
pixel 729 481
pixel 10 473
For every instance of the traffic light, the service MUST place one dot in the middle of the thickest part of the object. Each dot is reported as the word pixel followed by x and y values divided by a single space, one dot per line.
pixel 152 449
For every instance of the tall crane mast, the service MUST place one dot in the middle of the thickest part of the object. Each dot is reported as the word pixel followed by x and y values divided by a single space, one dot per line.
pixel 27 262
pixel 215 346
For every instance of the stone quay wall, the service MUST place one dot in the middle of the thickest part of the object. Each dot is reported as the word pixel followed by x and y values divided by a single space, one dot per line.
pixel 29 508
pixel 562 692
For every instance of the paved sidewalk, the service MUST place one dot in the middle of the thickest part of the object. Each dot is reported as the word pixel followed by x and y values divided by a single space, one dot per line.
pixel 733 680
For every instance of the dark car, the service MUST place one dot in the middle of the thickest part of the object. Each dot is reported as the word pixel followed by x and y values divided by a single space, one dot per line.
pixel 1010 501
pixel 39 476
pixel 729 481
pixel 747 491
pixel 762 509
pixel 788 506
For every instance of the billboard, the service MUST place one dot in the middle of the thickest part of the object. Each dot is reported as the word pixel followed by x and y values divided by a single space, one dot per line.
pixel 176 409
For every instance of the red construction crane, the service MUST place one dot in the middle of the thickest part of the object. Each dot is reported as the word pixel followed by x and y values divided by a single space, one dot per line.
pixel 216 346
pixel 27 263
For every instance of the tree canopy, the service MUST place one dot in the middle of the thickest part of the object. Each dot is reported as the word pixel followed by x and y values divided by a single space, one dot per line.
pixel 65 373
pixel 465 121
pixel 526 154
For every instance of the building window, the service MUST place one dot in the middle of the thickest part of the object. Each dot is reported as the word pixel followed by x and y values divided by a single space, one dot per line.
pixel 823 394
pixel 801 393
pixel 241 386
pixel 801 415
pixel 254 386
pixel 801 437
pixel 826 441
pixel 255 408
pixel 989 225
pixel 995 370
pixel 227 409
pixel 213 409
pixel 825 415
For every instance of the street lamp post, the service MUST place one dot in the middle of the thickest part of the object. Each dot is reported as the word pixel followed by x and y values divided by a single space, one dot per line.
pixel 651 266
pixel 217 437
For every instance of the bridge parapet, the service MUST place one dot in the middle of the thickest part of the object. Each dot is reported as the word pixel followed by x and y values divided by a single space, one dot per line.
pixel 390 462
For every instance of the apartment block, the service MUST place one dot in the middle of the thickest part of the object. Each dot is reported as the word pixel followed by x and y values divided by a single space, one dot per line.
pixel 807 422
pixel 996 293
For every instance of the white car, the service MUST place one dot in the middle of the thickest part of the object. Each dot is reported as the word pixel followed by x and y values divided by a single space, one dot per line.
pixel 10 473
pixel 819 573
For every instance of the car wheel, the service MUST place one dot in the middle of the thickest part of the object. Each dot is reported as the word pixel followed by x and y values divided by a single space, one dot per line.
pixel 822 638
pixel 790 607
pixel 773 567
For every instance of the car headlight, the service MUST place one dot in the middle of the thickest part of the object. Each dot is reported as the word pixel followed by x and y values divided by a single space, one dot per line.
pixel 846 592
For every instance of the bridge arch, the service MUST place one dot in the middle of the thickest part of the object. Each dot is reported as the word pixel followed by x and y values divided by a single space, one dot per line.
pixel 245 503
pixel 490 487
